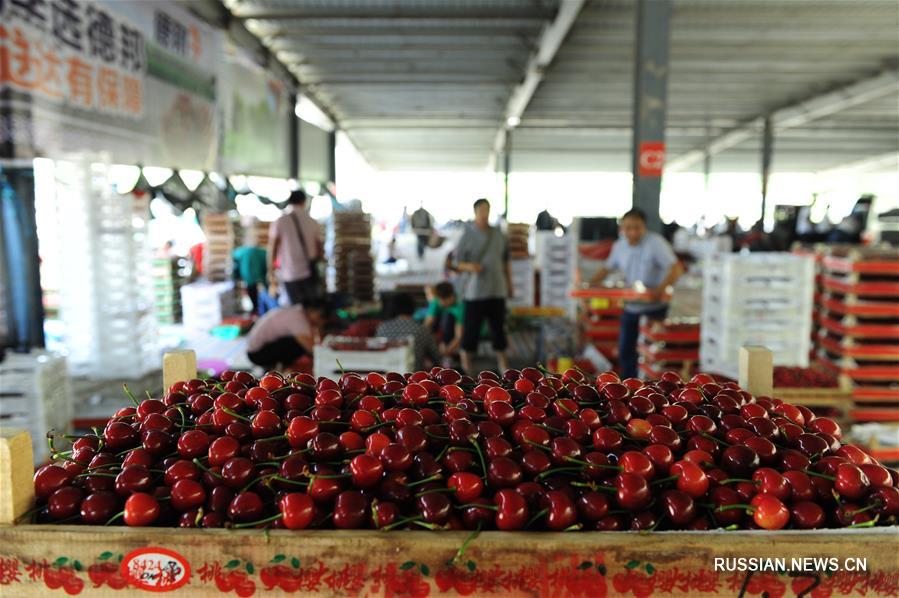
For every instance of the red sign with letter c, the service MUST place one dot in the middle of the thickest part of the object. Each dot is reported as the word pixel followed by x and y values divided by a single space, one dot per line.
pixel 652 158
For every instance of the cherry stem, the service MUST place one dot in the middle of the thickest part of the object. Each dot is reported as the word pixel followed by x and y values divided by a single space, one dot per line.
pixel 206 469
pixel 664 480
pixel 539 446
pixel 435 491
pixel 819 475
pixel 537 516
pixel 237 415
pixel 574 528
pixel 567 410
pixel 115 517
pixel 468 540
pixel 436 476
pixel 480 456
pixel 869 523
pixel 588 464
pixel 713 439
pixel 733 480
pixel 551 429
pixel 868 508
pixel 130 395
pixel 257 523
pixel 549 472
pixel 478 506
pixel 28 514
pixel 376 426
pixel 748 508
pixel 400 522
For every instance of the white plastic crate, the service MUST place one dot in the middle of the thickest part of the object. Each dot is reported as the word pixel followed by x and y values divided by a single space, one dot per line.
pixel 204 305
pixel 35 395
pixel 759 299
pixel 750 268
pixel 522 283
pixel 379 357
pixel 105 288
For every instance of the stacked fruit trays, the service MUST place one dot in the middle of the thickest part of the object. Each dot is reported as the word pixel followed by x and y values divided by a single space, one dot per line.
pixel 435 482
pixel 352 260
pixel 599 316
pixel 556 262
pixel 816 253
pixel 860 328
pixel 221 233
pixel 669 345
pixel 518 234
pixel 167 283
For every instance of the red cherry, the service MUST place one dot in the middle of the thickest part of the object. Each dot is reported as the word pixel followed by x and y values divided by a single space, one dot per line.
pixel 50 478
pixel 851 482
pixel 467 486
pixel 297 510
pixel 769 512
pixel 512 510
pixel 366 470
pixel 141 509
pixel 187 494
pixel 691 480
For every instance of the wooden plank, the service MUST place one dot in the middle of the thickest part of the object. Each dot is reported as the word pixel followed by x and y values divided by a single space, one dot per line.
pixel 416 563
pixel 16 471
pixel 757 370
pixel 178 366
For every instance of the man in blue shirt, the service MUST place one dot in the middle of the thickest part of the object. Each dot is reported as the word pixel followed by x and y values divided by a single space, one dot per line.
pixel 644 257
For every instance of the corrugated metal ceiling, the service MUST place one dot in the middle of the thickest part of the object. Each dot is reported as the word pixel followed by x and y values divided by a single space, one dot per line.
pixel 422 84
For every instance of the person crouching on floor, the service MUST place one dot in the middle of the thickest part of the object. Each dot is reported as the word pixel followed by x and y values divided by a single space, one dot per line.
pixel 285 334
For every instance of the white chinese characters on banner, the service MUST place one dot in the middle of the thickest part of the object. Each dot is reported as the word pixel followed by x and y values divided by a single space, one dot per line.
pixel 72 52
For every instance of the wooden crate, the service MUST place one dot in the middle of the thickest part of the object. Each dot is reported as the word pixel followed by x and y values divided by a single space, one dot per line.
pixel 107 561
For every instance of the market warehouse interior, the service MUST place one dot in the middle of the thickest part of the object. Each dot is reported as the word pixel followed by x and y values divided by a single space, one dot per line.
pixel 618 192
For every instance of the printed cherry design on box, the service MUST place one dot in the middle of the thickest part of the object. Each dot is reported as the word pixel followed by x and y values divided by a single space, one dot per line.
pixel 107 571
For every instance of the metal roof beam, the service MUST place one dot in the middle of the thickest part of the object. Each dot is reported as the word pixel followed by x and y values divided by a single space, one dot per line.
pixel 550 41
pixel 887 161
pixel 385 11
pixel 795 115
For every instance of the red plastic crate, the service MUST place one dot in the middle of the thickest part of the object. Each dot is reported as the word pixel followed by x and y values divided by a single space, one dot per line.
pixel 861 330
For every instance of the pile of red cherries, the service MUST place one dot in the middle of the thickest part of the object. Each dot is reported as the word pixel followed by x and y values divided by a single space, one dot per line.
pixel 528 450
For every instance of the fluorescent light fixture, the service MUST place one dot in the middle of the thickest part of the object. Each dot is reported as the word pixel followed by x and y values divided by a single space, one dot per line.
pixel 124 177
pixel 513 121
pixel 191 178
pixel 156 175
pixel 307 110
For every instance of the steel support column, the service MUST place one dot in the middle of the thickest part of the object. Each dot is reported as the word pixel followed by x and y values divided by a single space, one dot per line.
pixel 293 140
pixel 507 163
pixel 767 152
pixel 332 153
pixel 650 106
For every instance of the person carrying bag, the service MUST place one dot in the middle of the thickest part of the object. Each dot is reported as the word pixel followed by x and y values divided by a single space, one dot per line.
pixel 298 267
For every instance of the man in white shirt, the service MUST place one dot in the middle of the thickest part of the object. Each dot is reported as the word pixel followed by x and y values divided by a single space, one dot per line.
pixel 642 256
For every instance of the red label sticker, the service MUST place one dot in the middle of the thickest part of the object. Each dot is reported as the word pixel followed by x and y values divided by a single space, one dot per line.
pixel 652 158
pixel 155 569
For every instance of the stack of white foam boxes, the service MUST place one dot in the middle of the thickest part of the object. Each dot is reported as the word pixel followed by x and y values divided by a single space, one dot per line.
pixel 758 299
pixel 106 280
pixel 556 260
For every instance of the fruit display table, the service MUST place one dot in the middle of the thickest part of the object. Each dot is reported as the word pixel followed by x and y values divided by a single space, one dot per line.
pixel 98 560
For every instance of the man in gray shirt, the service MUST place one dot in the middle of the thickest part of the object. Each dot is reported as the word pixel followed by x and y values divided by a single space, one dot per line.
pixel 483 256
pixel 646 257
